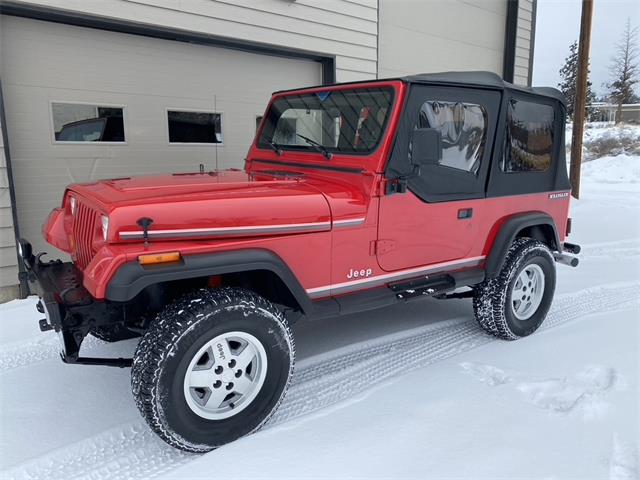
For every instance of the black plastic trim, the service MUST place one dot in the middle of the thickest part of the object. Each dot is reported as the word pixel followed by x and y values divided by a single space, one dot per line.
pixel 508 233
pixel 132 278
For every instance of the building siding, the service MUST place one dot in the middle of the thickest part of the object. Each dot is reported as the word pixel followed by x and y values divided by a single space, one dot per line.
pixel 524 42
pixel 8 258
pixel 441 35
pixel 346 29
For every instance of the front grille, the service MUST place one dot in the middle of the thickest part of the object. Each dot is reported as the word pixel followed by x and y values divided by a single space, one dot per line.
pixel 84 228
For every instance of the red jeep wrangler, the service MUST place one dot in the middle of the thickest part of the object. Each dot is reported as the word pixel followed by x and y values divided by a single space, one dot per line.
pixel 353 197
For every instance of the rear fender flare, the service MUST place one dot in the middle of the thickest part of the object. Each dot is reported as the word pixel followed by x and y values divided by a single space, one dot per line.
pixel 510 230
pixel 131 278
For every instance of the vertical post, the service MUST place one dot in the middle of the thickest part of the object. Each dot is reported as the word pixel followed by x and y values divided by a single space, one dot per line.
pixel 584 46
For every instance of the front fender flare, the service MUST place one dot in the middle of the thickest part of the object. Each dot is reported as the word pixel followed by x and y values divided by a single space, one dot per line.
pixel 131 278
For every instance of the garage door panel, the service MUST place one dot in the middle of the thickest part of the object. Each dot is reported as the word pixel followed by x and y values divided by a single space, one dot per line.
pixel 145 76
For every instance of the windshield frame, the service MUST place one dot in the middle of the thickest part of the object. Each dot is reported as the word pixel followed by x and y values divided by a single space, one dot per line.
pixel 261 142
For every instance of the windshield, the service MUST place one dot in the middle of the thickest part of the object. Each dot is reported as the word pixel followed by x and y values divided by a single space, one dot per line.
pixel 338 121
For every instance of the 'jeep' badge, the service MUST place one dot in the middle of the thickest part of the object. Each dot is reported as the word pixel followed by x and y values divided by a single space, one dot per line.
pixel 359 273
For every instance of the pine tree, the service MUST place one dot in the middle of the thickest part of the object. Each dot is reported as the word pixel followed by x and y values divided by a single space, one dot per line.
pixel 624 69
pixel 569 74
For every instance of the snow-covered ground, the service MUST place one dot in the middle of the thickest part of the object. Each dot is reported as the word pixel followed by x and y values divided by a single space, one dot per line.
pixel 412 391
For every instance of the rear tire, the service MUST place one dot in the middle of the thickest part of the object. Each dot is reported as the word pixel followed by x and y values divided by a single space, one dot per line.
pixel 515 303
pixel 212 367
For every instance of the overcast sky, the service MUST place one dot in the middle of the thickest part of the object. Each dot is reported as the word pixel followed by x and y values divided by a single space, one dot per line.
pixel 558 25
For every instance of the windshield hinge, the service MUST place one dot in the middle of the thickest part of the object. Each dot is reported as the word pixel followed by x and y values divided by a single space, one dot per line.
pixel 396 185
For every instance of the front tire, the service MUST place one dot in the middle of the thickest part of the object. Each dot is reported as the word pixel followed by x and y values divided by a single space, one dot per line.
pixel 516 302
pixel 213 367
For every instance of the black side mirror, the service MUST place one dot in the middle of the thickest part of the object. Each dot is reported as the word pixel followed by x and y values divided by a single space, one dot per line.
pixel 426 146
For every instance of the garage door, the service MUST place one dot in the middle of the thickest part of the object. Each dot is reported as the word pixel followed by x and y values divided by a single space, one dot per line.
pixel 85 104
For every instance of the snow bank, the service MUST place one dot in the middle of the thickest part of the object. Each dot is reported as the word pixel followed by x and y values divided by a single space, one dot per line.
pixel 608 140
pixel 613 169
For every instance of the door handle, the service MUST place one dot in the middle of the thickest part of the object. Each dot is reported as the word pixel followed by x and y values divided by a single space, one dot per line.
pixel 465 213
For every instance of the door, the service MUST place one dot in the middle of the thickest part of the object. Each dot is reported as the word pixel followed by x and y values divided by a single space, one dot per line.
pixel 435 220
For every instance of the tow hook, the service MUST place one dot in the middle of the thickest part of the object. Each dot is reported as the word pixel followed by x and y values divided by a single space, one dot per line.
pixel 44 326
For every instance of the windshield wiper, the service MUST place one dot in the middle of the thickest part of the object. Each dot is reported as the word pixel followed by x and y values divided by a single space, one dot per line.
pixel 317 146
pixel 276 148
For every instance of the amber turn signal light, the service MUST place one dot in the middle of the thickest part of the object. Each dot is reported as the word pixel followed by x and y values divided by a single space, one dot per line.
pixel 159 258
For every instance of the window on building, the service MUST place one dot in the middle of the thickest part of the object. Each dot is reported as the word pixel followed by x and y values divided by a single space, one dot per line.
pixel 529 142
pixel 194 127
pixel 78 122
pixel 463 127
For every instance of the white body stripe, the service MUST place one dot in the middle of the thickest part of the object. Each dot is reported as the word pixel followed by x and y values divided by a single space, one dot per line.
pixel 385 277
pixel 194 232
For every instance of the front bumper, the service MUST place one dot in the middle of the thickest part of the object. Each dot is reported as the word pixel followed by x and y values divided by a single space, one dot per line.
pixel 68 307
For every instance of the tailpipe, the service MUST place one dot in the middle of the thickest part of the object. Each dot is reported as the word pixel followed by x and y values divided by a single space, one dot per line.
pixel 565 259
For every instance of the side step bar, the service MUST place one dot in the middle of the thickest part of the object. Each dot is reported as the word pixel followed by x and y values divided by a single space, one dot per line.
pixel 437 285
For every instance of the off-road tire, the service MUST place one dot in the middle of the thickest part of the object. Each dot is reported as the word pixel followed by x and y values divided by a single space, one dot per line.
pixel 492 303
pixel 113 333
pixel 165 350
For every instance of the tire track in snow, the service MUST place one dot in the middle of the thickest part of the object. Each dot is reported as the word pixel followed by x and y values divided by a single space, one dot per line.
pixel 40 349
pixel 620 249
pixel 133 451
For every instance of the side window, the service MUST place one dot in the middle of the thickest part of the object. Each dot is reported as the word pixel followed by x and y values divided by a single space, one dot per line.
pixel 529 139
pixel 81 122
pixel 464 131
pixel 194 127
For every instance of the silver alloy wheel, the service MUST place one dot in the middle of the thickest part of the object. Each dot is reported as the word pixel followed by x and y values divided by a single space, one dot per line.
pixel 225 375
pixel 527 292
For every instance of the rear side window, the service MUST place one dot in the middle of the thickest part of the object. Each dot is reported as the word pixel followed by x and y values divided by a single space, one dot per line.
pixel 464 129
pixel 529 139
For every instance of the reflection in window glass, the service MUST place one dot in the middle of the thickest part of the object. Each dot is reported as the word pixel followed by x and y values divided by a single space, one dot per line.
pixel 75 122
pixel 529 145
pixel 463 127
pixel 258 121
pixel 348 121
pixel 194 127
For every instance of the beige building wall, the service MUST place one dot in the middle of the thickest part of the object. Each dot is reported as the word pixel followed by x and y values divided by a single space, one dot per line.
pixel 524 39
pixel 441 35
pixel 344 28
pixel 8 258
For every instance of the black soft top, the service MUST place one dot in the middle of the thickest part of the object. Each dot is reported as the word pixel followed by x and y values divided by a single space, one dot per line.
pixel 467 79
pixel 480 79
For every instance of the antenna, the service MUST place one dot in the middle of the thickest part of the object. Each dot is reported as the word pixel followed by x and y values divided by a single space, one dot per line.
pixel 215 133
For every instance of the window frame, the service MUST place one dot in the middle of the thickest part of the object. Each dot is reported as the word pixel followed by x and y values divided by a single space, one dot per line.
pixel 441 183
pixel 193 110
pixel 125 122
pixel 393 106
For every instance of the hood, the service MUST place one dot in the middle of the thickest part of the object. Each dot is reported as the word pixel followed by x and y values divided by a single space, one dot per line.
pixel 205 205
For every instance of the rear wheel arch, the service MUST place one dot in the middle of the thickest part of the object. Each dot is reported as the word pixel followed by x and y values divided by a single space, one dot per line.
pixel 537 225
pixel 259 270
